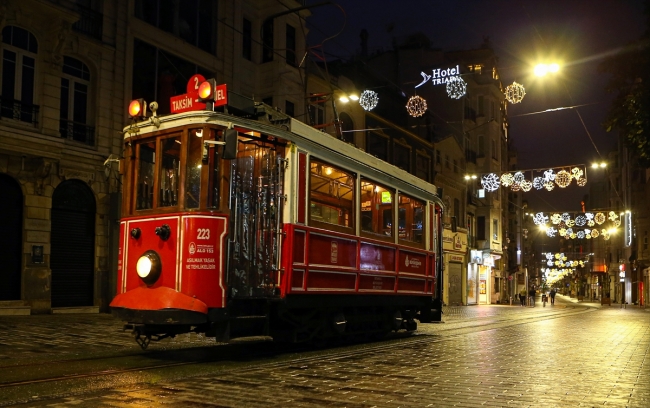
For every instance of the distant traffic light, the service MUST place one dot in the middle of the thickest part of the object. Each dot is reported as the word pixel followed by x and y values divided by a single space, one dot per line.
pixel 138 109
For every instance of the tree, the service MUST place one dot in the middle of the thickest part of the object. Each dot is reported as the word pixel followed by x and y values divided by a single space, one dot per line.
pixel 630 80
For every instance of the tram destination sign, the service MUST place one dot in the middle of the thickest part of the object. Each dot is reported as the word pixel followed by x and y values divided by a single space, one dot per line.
pixel 190 101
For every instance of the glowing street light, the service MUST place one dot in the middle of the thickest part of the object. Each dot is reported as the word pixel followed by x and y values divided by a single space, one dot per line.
pixel 600 165
pixel 543 69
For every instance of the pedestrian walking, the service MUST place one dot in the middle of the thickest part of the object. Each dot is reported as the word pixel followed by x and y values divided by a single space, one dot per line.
pixel 522 297
pixel 531 294
pixel 552 296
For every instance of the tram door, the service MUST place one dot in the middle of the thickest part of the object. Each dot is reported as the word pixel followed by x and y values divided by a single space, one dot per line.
pixel 257 177
pixel 11 241
pixel 73 245
pixel 455 286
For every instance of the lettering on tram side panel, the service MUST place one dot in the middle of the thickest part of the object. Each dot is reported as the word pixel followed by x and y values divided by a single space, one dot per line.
pixel 412 263
pixel 334 253
pixel 201 273
pixel 377 258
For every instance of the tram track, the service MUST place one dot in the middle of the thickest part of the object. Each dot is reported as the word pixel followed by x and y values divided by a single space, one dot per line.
pixel 57 378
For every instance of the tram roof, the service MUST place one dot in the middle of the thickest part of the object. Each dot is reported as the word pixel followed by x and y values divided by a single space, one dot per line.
pixel 316 142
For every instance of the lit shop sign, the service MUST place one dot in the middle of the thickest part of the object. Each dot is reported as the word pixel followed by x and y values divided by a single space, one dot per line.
pixel 439 76
pixel 628 228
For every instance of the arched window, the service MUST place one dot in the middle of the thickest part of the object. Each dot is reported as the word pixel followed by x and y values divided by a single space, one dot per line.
pixel 19 49
pixel 75 86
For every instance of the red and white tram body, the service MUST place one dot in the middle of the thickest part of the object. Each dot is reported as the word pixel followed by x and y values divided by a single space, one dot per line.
pixel 266 226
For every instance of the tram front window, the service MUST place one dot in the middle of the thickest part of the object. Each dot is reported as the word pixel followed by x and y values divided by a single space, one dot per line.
pixel 193 169
pixel 169 172
pixel 147 160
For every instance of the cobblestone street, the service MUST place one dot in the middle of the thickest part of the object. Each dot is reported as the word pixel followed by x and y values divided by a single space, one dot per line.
pixel 566 355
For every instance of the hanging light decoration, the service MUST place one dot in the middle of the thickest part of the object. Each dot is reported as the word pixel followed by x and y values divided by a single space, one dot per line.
pixel 416 106
pixel 456 87
pixel 515 92
pixel 562 178
pixel 368 100
pixel 490 182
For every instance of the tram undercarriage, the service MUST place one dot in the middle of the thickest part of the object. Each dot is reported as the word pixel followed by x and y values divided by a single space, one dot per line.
pixel 294 320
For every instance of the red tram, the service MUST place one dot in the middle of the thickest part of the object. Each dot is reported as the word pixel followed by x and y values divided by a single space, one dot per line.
pixel 261 225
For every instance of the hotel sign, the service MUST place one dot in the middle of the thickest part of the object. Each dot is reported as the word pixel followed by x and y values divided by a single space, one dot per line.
pixel 439 76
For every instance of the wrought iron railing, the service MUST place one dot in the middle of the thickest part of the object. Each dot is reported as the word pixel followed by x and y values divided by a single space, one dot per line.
pixel 79 132
pixel 90 21
pixel 18 110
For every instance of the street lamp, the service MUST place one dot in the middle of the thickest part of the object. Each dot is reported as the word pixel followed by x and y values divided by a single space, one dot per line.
pixel 543 69
pixel 600 165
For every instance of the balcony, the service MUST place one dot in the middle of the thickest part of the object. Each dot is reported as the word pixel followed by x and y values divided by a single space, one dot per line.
pixel 15 109
pixel 90 22
pixel 79 132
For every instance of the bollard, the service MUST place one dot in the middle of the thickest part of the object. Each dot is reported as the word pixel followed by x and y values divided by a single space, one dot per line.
pixel 510 300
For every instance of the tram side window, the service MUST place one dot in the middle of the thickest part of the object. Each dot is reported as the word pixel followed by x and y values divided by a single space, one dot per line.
pixel 169 171
pixel 147 165
pixel 411 219
pixel 193 169
pixel 376 208
pixel 331 200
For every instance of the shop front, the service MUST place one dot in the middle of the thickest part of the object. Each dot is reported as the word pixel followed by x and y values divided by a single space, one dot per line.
pixel 454 245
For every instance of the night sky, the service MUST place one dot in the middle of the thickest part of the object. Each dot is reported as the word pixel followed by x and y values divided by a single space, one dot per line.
pixel 577 34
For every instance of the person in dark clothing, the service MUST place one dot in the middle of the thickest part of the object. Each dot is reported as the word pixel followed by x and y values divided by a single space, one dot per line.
pixel 531 294
pixel 552 296
pixel 522 297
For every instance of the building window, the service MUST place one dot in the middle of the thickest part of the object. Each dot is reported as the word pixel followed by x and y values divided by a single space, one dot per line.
pixel 247 40
pixel 457 208
pixel 268 101
pixel 159 75
pixel 438 156
pixel 402 157
pixel 190 20
pixel 289 108
pixel 481 146
pixel 316 114
pixel 455 166
pixel 377 146
pixel 480 227
pixel 19 51
pixel 495 229
pixel 447 162
pixel 422 167
pixel 75 85
pixel 267 41
pixel 291 46
pixel 495 150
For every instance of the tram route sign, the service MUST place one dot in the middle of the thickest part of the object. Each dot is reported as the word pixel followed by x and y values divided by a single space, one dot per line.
pixel 190 101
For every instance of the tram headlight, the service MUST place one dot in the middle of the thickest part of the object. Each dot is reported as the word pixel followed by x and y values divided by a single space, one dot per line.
pixel 149 267
pixel 138 109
